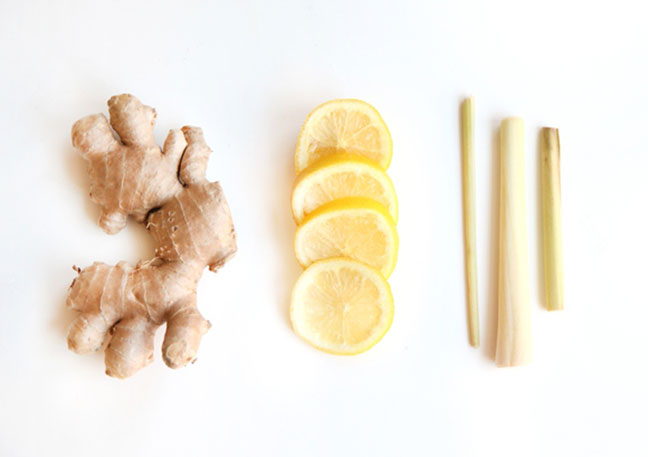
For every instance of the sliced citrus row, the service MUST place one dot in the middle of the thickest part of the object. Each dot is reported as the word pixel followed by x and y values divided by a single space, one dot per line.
pixel 339 176
pixel 347 126
pixel 356 228
pixel 341 306
pixel 346 210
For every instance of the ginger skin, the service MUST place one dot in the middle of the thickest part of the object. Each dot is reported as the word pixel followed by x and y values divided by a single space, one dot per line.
pixel 120 307
pixel 131 176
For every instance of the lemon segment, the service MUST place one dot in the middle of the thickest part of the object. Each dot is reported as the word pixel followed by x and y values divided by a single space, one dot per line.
pixel 343 126
pixel 358 228
pixel 341 306
pixel 340 176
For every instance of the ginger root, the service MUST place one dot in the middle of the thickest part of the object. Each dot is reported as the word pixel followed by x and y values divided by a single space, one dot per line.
pixel 120 307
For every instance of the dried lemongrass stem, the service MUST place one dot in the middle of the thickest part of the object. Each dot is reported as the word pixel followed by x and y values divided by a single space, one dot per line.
pixel 551 218
pixel 514 313
pixel 470 245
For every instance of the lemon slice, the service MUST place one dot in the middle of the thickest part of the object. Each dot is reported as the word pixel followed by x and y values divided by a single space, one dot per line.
pixel 345 125
pixel 339 176
pixel 357 228
pixel 341 306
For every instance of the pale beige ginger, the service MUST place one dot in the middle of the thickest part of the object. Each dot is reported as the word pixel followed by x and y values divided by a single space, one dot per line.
pixel 122 306
pixel 129 174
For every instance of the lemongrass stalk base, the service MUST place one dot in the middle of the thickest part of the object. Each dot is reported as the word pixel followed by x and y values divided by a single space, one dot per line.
pixel 514 313
pixel 551 218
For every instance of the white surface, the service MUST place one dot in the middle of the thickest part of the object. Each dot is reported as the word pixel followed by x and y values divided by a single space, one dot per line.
pixel 249 73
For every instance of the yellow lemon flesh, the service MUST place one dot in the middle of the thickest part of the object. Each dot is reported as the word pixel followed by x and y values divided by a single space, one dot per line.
pixel 358 228
pixel 343 126
pixel 341 306
pixel 339 176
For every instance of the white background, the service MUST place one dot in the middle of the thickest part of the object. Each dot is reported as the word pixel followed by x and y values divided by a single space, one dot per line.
pixel 249 73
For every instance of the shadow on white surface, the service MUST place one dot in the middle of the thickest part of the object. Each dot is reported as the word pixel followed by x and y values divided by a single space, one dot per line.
pixel 281 183
pixel 490 332
pixel 77 173
pixel 62 317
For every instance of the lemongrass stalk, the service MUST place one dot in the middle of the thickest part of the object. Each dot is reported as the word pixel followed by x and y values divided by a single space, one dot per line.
pixel 551 218
pixel 514 313
pixel 470 244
